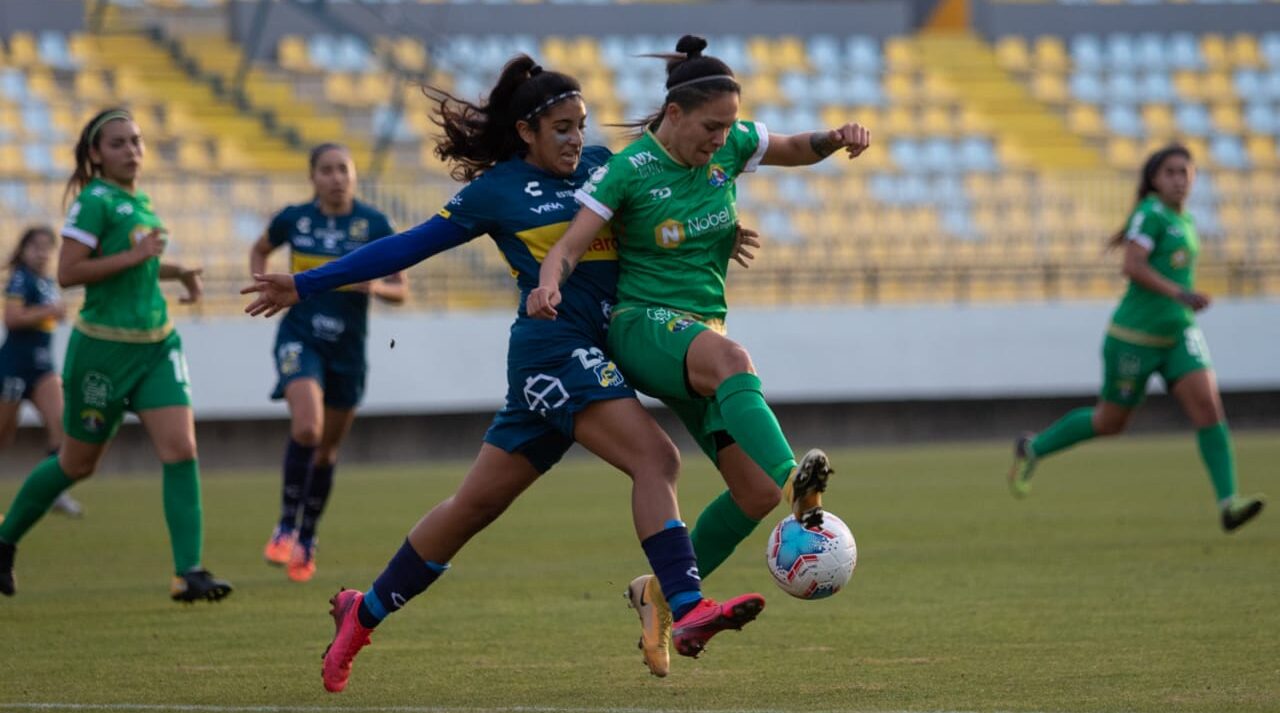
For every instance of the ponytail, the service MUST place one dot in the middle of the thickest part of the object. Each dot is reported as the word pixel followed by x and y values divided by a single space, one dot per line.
pixel 1147 184
pixel 477 136
pixel 693 79
pixel 86 169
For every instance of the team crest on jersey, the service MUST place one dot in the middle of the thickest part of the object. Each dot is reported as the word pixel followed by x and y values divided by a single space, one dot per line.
pixel 303 225
pixel 1130 365
pixel 1179 258
pixel 679 325
pixel 607 374
pixel 669 234
pixel 716 176
pixel 359 229
pixel 92 420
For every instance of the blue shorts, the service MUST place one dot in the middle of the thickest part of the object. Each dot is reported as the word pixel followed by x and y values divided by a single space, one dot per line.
pixel 21 370
pixel 554 371
pixel 339 369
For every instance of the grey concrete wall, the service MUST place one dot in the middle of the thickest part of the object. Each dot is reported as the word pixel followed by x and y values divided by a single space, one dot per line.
pixel 36 15
pixel 995 19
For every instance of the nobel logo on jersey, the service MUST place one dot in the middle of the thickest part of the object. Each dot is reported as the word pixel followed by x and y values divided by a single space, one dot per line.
pixel 669 233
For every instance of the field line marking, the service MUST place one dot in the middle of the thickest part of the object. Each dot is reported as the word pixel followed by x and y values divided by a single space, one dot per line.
pixel 198 708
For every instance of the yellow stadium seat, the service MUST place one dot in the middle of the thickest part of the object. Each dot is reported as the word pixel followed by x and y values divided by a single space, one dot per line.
pixel 762 88
pixel 1050 54
pixel 1123 154
pixel 900 87
pixel 292 54
pixel 789 52
pixel 934 88
pixel 973 121
pixel 937 121
pixel 79 48
pixel 11 160
pixel 1243 51
pixel 90 86
pixel 373 88
pixel 1048 87
pixel 41 82
pixel 1187 84
pixel 760 50
pixel 22 50
pixel 899 54
pixel 1011 52
pixel 1226 118
pixel 1213 48
pixel 899 121
pixel 555 51
pixel 1262 151
pixel 1262 185
pixel 1085 120
pixel 584 54
pixel 410 54
pixel 1217 87
pixel 340 89
pixel 1158 119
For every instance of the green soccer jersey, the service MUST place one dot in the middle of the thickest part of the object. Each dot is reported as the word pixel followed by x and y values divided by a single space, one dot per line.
pixel 1146 317
pixel 675 224
pixel 128 306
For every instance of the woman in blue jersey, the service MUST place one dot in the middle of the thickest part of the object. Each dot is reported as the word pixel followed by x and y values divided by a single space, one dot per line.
pixel 32 309
pixel 522 151
pixel 320 347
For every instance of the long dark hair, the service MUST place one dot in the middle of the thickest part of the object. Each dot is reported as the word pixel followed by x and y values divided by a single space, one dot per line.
pixel 1147 183
pixel 31 233
pixel 692 80
pixel 90 135
pixel 477 136
pixel 319 149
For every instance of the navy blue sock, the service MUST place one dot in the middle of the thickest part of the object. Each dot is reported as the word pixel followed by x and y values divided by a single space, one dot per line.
pixel 318 487
pixel 405 577
pixel 671 557
pixel 297 466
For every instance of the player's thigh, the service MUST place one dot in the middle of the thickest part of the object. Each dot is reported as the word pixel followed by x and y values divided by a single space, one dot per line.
pixel 9 411
pixel 1126 369
pixel 1198 394
pixel 623 434
pixel 712 358
pixel 98 379
pixel 305 398
pixel 337 424
pixel 172 431
pixel 650 345
pixel 47 397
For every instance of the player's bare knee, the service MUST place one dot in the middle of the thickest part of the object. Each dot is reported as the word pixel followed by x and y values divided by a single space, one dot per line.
pixel 77 468
pixel 305 434
pixel 326 456
pixel 734 359
pixel 178 450
pixel 1110 426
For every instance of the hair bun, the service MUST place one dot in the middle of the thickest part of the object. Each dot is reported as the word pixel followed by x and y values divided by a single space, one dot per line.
pixel 691 46
pixel 535 70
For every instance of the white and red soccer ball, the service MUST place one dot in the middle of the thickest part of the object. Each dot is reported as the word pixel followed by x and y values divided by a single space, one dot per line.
pixel 811 563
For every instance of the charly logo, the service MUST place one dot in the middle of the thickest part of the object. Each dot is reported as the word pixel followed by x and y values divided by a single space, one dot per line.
pixel 95 389
pixel 92 420
pixel 716 175
pixel 532 189
pixel 544 392
pixel 669 233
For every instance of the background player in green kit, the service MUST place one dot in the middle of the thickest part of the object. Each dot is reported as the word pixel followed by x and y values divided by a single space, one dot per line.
pixel 1153 330
pixel 122 354
pixel 670 196
pixel 32 310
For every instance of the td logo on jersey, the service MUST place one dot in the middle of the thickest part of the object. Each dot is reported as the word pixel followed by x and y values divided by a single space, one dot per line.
pixel 669 233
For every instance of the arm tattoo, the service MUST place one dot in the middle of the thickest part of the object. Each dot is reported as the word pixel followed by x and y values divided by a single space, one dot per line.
pixel 822 144
pixel 566 269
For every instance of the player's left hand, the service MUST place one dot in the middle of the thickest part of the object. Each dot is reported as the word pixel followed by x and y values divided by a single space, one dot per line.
pixel 276 292
pixel 746 238
pixel 854 138
pixel 190 279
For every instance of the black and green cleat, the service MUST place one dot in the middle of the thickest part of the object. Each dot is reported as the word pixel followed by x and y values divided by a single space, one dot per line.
pixel 7 581
pixel 1240 510
pixel 199 584
pixel 1024 463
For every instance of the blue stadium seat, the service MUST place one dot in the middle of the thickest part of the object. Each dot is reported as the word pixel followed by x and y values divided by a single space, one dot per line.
pixel 1271 85
pixel 775 224
pixel 794 190
pixel 1271 49
pixel 864 54
pixel 1120 53
pixel 1248 83
pixel 1183 51
pixel 1122 88
pixel 1261 118
pixel 1149 52
pixel 1192 119
pixel 938 154
pixel 906 154
pixel 1228 152
pixel 1123 120
pixel 824 53
pixel 38 159
pixel 948 190
pixel 1086 53
pixel 320 50
pixel 1086 87
pixel 1157 88
pixel 958 222
pixel 797 88
pixel 827 90
pixel 53 50
pixel 977 154
pixel 13 84
pixel 864 90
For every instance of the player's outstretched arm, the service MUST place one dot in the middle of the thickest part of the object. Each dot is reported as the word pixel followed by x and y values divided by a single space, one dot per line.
pixel 810 148
pixel 560 261
pixel 188 276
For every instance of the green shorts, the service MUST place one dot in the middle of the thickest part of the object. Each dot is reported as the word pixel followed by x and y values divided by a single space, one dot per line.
pixel 103 379
pixel 1127 367
pixel 649 345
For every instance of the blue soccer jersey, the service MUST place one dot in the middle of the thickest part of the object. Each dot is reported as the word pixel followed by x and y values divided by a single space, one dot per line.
pixel 314 239
pixel 526 210
pixel 30 290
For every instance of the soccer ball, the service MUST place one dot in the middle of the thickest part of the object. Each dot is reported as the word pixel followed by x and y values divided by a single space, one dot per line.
pixel 811 563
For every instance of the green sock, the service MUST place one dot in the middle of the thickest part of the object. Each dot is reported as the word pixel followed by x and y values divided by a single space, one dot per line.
pixel 1219 458
pixel 183 514
pixel 34 499
pixel 720 527
pixel 1067 431
pixel 752 424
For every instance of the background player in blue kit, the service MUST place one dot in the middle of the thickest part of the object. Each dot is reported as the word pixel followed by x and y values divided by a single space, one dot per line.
pixel 32 309
pixel 523 153
pixel 320 346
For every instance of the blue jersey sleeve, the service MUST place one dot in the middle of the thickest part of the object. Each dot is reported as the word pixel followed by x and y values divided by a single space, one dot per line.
pixel 17 287
pixel 383 257
pixel 472 208
pixel 279 229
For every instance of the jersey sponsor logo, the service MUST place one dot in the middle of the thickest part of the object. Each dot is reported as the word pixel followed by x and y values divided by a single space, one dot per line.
pixel 125 209
pixel 545 207
pixel 716 176
pixel 75 211
pixel 669 234
pixel 358 229
pixel 642 158
pixel 328 328
pixel 98 191
pixel 659 194
pixel 95 389
pixel 599 173
pixel 544 393
pixel 532 189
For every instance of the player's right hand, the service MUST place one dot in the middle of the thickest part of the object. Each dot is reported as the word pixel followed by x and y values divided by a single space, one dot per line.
pixel 542 302
pixel 1197 301
pixel 150 245
pixel 276 292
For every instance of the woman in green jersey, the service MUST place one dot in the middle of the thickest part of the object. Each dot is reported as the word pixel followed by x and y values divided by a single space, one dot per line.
pixel 1153 330
pixel 670 196
pixel 123 353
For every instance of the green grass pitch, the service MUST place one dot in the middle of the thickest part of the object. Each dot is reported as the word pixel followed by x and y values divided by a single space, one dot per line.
pixel 1111 589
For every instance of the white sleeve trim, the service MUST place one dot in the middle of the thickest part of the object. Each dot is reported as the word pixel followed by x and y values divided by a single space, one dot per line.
pixel 754 162
pixel 1146 242
pixel 80 236
pixel 596 206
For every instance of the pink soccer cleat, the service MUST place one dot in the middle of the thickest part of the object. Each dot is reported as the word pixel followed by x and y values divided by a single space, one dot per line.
pixel 349 637
pixel 709 618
